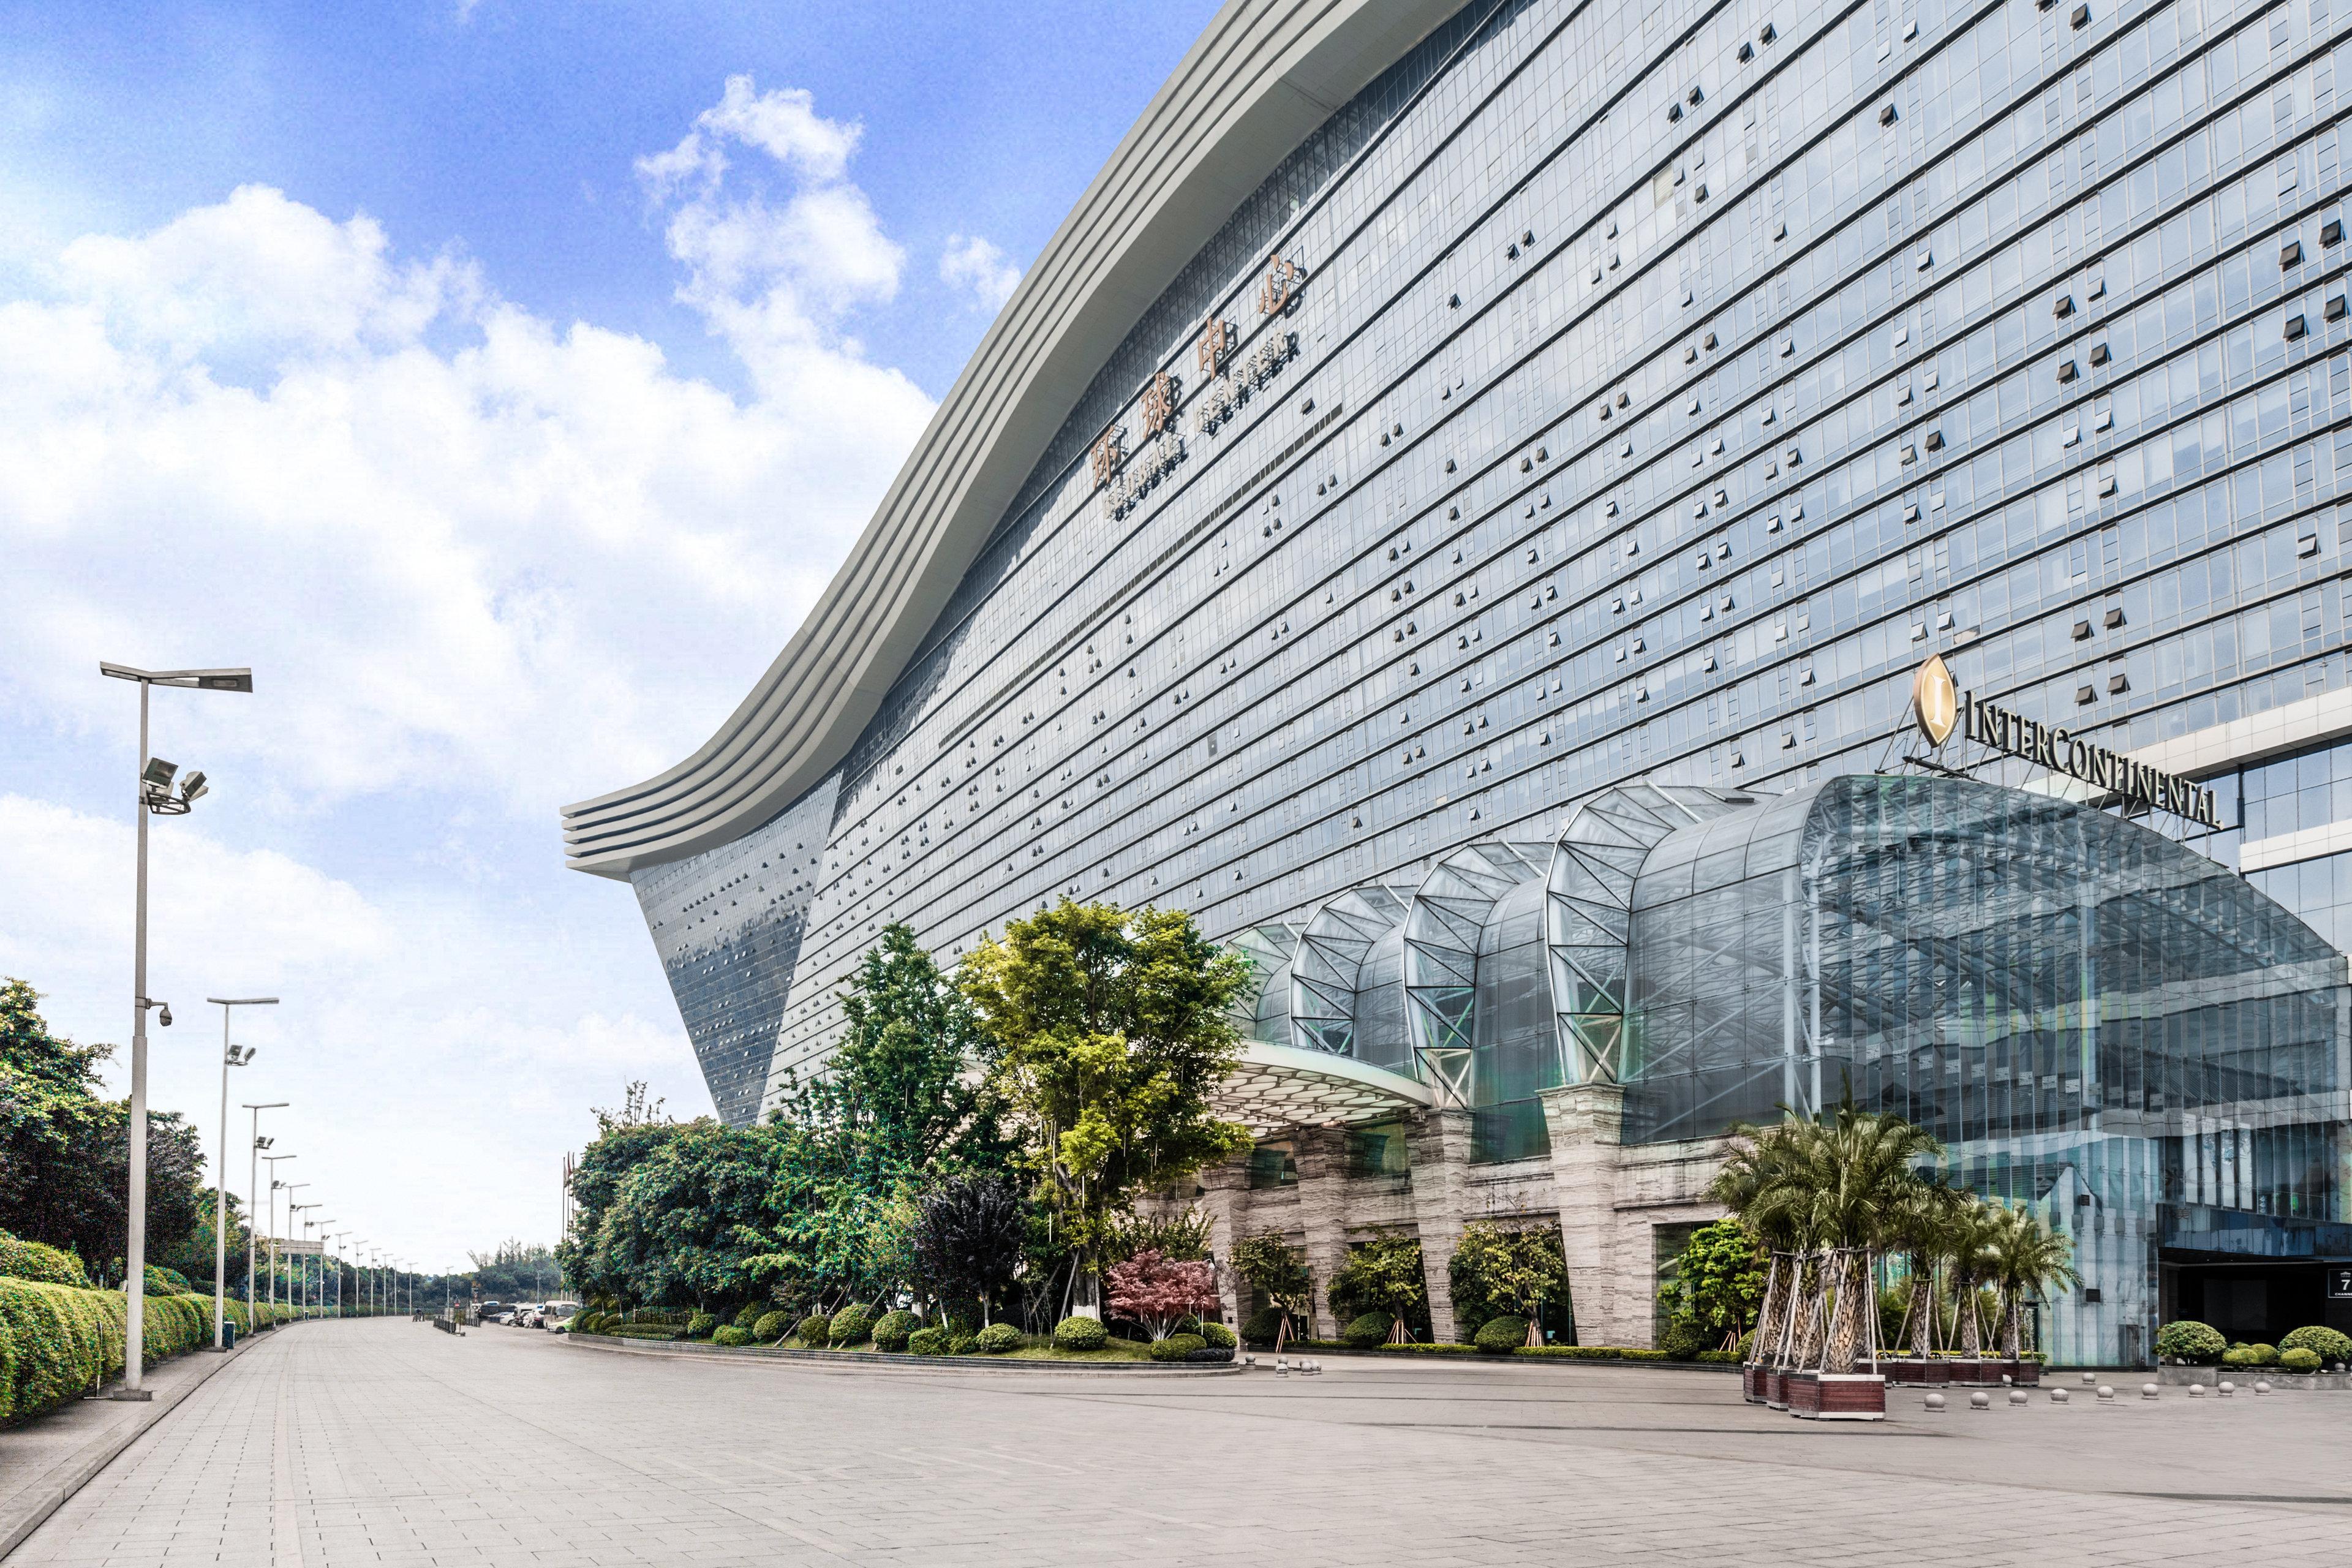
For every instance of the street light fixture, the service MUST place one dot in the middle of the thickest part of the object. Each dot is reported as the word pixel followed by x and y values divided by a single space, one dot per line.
pixel 253 1197
pixel 231 1057
pixel 271 1161
pixel 295 1268
pixel 156 798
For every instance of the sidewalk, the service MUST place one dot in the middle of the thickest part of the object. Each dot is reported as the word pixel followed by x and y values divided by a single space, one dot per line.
pixel 46 1460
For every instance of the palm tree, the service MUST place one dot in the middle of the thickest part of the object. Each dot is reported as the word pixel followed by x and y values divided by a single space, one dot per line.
pixel 1759 1167
pixel 2026 1255
pixel 1975 1229
pixel 1921 1230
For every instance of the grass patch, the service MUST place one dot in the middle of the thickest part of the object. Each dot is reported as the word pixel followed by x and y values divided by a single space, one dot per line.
pixel 1035 1347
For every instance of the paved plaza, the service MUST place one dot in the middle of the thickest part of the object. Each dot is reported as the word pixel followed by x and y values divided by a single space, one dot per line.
pixel 332 1445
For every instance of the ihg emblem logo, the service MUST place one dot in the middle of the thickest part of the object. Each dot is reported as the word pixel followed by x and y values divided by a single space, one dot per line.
pixel 1935 705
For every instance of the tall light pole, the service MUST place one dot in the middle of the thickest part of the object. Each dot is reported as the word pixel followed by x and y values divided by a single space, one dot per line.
pixel 359 1267
pixel 231 1057
pixel 336 1241
pixel 271 1161
pixel 155 797
pixel 301 1284
pixel 253 1199
pixel 294 1276
pixel 319 1270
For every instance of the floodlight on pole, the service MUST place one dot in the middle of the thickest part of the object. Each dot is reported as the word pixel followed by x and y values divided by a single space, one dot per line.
pixel 231 1055
pixel 154 798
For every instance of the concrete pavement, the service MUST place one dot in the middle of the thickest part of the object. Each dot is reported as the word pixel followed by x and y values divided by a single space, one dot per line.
pixel 387 1443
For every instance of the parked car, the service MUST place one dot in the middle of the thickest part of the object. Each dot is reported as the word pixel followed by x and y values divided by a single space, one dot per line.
pixel 556 1316
pixel 487 1311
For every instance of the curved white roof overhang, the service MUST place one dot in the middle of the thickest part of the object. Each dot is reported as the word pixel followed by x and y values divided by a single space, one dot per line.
pixel 1273 1087
pixel 1262 76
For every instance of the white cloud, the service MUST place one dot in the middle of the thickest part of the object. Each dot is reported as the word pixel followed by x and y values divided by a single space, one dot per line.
pixel 778 253
pixel 483 563
pixel 972 264
pixel 435 1064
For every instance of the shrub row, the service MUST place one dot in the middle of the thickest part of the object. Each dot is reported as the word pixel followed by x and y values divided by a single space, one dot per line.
pixel 22 1259
pixel 2305 1350
pixel 57 1341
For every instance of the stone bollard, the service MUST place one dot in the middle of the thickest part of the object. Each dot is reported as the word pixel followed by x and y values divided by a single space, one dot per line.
pixel 1979 1400
pixel 2262 1386
pixel 2196 1391
pixel 2018 1396
pixel 2226 1390
pixel 2057 1396
pixel 2106 1394
pixel 1935 1405
pixel 2090 1380
pixel 1281 1367
pixel 2147 1390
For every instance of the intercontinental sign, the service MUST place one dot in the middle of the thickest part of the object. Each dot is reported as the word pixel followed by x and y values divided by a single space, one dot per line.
pixel 1938 708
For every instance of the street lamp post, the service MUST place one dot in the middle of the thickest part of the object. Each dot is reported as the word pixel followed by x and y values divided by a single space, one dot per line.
pixel 231 1057
pixel 275 1185
pixel 293 1279
pixel 155 797
pixel 253 1198
pixel 319 1270
pixel 359 1267
pixel 301 1284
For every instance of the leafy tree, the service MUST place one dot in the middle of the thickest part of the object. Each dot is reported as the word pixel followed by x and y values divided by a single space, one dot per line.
pixel 901 1077
pixel 1110 1031
pixel 2027 1257
pixel 1381 1276
pixel 1275 1271
pixel 1718 1283
pixel 1181 1237
pixel 686 1223
pixel 1157 1291
pixel 64 1153
pixel 968 1239
pixel 1518 1267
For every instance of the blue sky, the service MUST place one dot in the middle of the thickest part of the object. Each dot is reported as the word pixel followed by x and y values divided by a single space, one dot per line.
pixel 501 382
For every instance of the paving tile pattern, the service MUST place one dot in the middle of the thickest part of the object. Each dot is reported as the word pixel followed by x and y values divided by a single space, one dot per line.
pixel 388 1443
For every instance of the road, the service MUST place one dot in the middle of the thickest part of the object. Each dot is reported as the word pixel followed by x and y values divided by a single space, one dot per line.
pixel 376 1443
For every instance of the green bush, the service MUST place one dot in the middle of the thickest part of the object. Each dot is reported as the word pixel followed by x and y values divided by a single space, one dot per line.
pixel 1590 1353
pixel 1261 1327
pixel 731 1335
pixel 1080 1334
pixel 2191 1340
pixel 1501 1336
pixel 997 1338
pixel 1370 1330
pixel 1176 1347
pixel 2299 1359
pixel 2329 1345
pixel 962 1342
pixel 1426 1347
pixel 650 1331
pixel 700 1326
pixel 166 1281
pixel 2264 1355
pixel 851 1326
pixel 892 1330
pixel 769 1327
pixel 1684 1338
pixel 932 1341
pixel 2237 1355
pixel 817 1330
pixel 1218 1337
pixel 22 1259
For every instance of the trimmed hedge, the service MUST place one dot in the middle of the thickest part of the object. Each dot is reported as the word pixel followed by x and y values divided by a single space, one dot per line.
pixel 2328 1344
pixel 962 1342
pixel 57 1341
pixel 1075 1334
pixel 749 1314
pixel 769 1327
pixel 851 1326
pixel 1501 1336
pixel 892 1329
pixel 37 1261
pixel 2191 1340
pixel 731 1335
pixel 647 1332
pixel 1367 1331
pixel 999 1338
pixel 1176 1347
pixel 167 1282
pixel 700 1326
pixel 1261 1326
pixel 1218 1337
pixel 2300 1359
pixel 1590 1353
pixel 933 1340
pixel 815 1330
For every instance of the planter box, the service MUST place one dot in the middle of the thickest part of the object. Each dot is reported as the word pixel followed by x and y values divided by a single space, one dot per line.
pixel 1752 1383
pixel 2025 1374
pixel 1776 1388
pixel 1850 1397
pixel 1973 1374
pixel 1804 1394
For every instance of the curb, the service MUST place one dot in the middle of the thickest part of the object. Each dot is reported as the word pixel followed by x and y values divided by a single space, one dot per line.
pixel 688 1349
pixel 99 1452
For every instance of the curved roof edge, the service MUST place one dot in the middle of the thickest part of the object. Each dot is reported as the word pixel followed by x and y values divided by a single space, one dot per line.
pixel 1263 77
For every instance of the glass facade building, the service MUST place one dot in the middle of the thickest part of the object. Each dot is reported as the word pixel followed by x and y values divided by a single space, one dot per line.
pixel 1534 496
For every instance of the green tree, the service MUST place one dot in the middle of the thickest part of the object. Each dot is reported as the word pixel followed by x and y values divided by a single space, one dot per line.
pixel 1277 1271
pixel 1517 1269
pixel 1718 1282
pixel 1110 1031
pixel 2027 1258
pixel 1383 1274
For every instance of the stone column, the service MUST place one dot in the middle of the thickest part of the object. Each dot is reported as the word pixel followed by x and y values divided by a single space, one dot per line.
pixel 1440 1144
pixel 1227 1203
pixel 1323 1214
pixel 1586 1123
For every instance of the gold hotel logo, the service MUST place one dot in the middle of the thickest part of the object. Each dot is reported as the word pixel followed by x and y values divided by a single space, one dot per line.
pixel 1935 703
